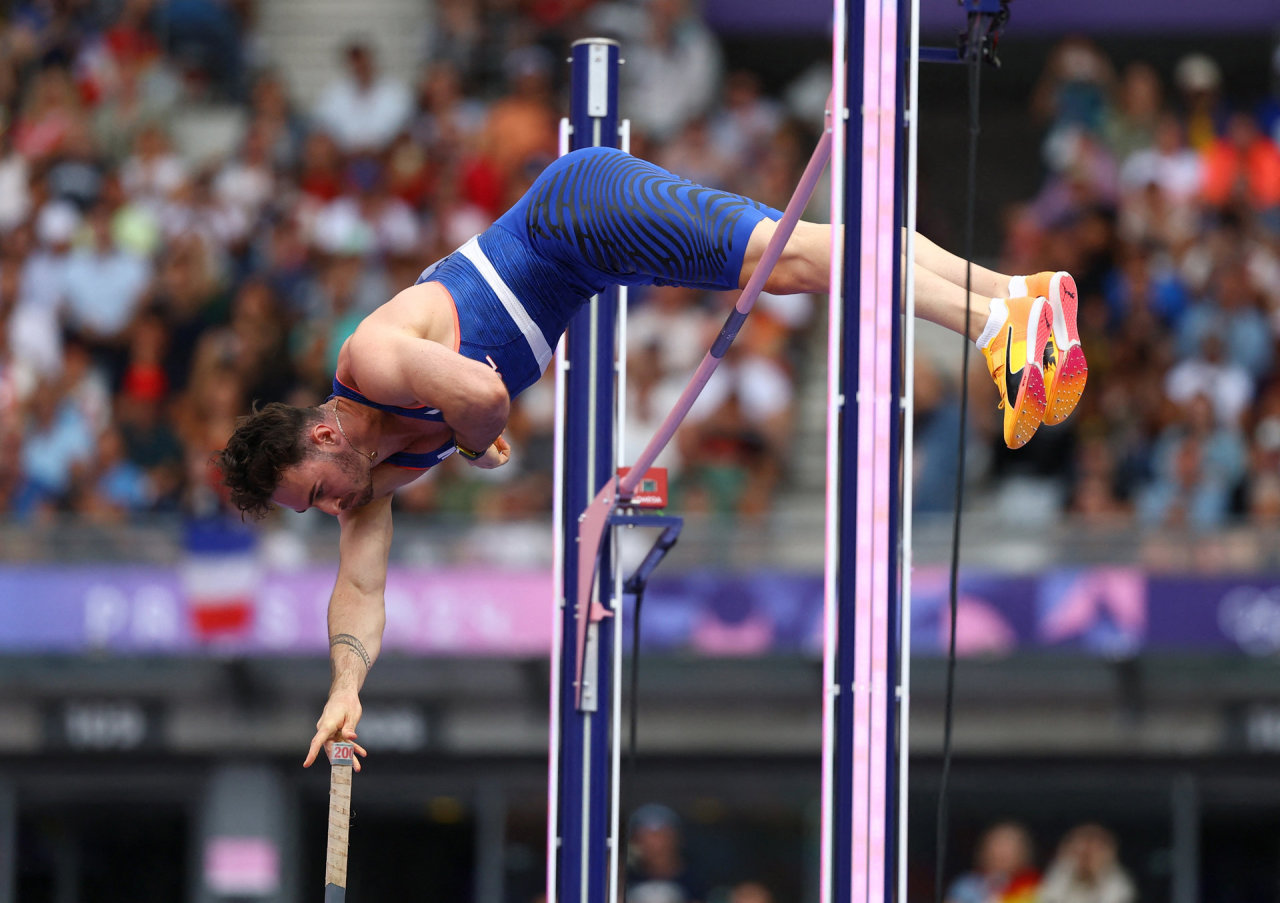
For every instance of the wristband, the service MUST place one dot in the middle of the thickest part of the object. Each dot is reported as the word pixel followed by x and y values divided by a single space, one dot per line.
pixel 468 453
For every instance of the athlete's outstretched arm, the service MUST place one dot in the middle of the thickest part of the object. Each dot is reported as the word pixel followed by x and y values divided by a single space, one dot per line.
pixel 357 616
pixel 393 366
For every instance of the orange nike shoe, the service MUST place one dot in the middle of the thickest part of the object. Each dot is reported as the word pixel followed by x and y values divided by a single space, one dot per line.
pixel 1015 358
pixel 1067 371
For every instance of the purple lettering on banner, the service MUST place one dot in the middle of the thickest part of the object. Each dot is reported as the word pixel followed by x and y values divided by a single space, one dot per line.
pixel 137 610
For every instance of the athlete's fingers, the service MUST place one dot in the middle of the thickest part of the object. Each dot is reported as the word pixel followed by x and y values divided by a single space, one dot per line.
pixel 348 734
pixel 317 744
pixel 339 725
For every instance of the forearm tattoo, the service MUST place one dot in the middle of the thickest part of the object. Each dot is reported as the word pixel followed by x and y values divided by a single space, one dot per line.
pixel 346 639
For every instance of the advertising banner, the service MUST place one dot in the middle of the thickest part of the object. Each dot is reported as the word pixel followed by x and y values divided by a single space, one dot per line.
pixel 1106 612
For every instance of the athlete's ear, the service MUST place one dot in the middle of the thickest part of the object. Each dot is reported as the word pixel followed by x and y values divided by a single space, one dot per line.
pixel 323 434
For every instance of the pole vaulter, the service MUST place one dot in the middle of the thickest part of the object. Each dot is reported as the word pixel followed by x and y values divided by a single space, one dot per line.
pixel 432 373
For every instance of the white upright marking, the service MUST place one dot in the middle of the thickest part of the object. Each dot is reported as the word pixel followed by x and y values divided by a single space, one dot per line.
pixel 908 451
pixel 831 609
pixel 620 451
pixel 557 597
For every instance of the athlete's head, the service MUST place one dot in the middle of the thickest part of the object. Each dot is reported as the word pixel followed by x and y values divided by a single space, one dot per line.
pixel 294 457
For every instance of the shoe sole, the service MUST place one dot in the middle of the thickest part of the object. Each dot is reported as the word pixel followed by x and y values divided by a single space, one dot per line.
pixel 1029 407
pixel 1072 370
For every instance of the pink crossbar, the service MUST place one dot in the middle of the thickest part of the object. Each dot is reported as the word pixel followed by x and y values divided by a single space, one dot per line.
pixel 592 523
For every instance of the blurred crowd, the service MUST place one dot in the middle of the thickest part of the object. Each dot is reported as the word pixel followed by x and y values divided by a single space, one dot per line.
pixel 159 273
pixel 181 236
pixel 1085 868
pixel 660 869
pixel 1161 196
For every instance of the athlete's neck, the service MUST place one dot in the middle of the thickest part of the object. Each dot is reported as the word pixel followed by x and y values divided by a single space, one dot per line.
pixel 360 426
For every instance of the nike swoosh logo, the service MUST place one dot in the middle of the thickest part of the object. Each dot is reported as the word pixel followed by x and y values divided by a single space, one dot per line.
pixel 1069 293
pixel 1012 380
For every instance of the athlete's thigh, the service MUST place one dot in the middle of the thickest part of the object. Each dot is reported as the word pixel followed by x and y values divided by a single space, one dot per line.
pixel 804 264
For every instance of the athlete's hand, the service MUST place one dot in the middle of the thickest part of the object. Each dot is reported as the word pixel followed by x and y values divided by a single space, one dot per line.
pixel 494 456
pixel 337 722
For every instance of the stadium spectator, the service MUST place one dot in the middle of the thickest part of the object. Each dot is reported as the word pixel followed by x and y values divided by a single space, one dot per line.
pixel 58 439
pixel 50 112
pixel 1199 81
pixel 111 486
pixel 1132 123
pixel 104 286
pixel 153 170
pixel 1165 162
pixel 1087 869
pixel 1242 168
pixel 362 109
pixel 1209 373
pixel 1003 870
pixel 15 184
pixel 656 869
pixel 674 64
pixel 1197 467
pixel 750 892
pixel 1231 308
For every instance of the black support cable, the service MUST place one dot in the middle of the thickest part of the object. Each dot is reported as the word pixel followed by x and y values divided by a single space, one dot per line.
pixel 976 41
pixel 633 720
pixel 633 710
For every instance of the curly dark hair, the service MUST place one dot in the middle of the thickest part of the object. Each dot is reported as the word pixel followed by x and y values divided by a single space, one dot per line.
pixel 266 442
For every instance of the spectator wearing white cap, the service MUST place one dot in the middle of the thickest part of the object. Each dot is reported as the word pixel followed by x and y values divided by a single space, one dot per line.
pixel 35 325
pixel 1200 82
pixel 42 276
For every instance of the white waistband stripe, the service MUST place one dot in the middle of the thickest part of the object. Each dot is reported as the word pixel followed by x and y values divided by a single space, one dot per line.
pixel 532 334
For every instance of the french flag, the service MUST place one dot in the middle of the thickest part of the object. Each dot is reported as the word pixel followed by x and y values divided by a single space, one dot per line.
pixel 220 577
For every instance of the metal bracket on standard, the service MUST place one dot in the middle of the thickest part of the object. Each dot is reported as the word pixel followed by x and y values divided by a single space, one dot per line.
pixel 588 632
pixel 671 526
pixel 987 19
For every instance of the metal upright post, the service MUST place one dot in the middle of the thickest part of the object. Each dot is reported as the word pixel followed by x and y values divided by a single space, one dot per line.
pixel 864 517
pixel 582 816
